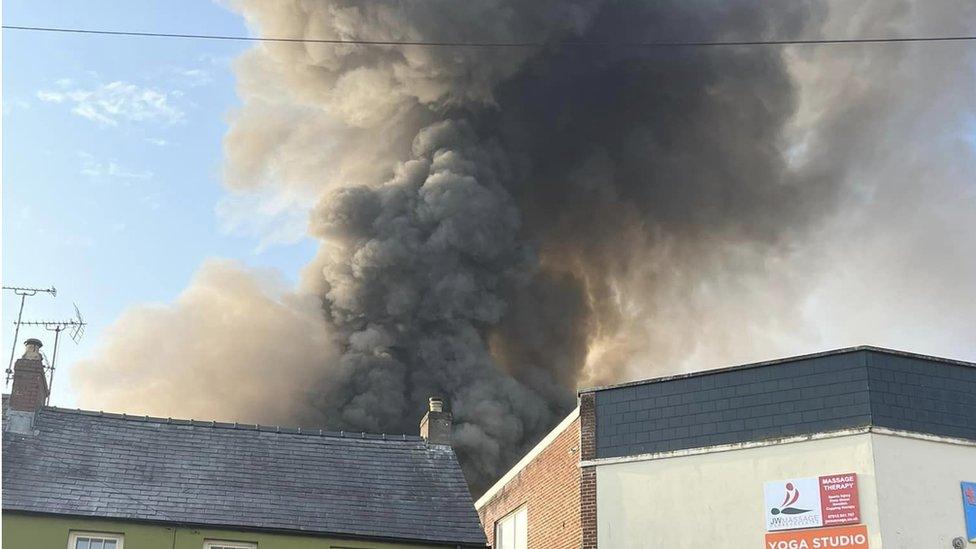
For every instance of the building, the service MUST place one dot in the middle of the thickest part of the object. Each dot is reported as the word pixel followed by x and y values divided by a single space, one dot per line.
pixel 93 480
pixel 860 447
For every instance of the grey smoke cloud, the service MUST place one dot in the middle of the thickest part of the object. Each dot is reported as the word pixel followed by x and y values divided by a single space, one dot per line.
pixel 176 360
pixel 500 226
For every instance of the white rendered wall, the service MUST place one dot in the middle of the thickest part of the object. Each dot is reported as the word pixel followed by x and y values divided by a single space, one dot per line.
pixel 715 500
pixel 918 489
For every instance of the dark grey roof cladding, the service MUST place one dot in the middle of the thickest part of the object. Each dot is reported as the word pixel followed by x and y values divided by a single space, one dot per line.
pixel 922 395
pixel 220 474
pixel 842 351
pixel 798 396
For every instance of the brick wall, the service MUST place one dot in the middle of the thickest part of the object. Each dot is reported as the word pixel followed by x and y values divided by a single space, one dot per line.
pixel 588 507
pixel 588 474
pixel 29 390
pixel 550 488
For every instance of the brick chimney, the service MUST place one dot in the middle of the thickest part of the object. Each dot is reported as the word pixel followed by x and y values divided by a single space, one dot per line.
pixel 29 391
pixel 436 425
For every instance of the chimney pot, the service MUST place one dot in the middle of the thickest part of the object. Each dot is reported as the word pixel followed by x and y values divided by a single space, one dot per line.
pixel 33 350
pixel 436 425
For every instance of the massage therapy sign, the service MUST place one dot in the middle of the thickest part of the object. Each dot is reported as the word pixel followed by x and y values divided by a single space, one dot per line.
pixel 811 502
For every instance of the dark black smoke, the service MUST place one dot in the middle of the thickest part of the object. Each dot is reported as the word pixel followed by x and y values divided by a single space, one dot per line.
pixel 482 268
pixel 501 225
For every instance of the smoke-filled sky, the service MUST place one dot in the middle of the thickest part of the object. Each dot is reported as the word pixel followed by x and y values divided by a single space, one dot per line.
pixel 499 226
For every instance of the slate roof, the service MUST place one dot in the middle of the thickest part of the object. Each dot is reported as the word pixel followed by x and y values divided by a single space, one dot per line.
pixel 247 477
pixel 850 388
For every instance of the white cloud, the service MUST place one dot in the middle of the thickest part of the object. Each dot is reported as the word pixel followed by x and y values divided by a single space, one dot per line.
pixel 276 218
pixel 51 97
pixel 157 141
pixel 153 201
pixel 95 168
pixel 194 77
pixel 117 101
pixel 214 60
pixel 10 104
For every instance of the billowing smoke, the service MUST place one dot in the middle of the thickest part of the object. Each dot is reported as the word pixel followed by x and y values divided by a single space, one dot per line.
pixel 174 360
pixel 500 225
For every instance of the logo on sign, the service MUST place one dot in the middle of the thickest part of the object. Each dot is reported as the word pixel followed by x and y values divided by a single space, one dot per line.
pixel 792 495
pixel 812 502
pixel 793 503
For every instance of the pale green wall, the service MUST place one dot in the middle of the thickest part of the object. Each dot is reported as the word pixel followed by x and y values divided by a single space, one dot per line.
pixel 46 532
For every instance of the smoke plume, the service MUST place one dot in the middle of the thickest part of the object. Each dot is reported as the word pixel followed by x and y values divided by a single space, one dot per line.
pixel 500 225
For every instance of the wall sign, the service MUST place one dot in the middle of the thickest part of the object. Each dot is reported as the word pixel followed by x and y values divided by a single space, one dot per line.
pixel 811 502
pixel 838 499
pixel 841 537
pixel 969 509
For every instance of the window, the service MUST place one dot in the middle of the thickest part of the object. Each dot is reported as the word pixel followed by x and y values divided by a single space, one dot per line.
pixel 221 544
pixel 94 540
pixel 512 531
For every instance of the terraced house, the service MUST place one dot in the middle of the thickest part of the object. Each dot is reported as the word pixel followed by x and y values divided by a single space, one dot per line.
pixel 91 480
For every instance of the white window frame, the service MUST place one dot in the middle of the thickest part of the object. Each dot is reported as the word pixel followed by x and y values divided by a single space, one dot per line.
pixel 511 515
pixel 73 536
pixel 228 544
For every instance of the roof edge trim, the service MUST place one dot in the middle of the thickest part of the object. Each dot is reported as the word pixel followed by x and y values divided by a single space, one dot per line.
pixel 775 361
pixel 853 431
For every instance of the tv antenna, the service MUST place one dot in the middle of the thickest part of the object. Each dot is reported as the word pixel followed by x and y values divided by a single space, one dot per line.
pixel 75 328
pixel 24 293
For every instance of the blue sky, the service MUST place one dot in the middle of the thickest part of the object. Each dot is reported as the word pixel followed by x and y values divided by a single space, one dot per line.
pixel 112 161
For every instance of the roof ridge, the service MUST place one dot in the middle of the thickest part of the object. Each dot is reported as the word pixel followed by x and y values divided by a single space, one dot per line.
pixel 256 427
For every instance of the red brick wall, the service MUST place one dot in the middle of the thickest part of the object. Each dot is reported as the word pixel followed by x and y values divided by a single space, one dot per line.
pixel 588 508
pixel 29 390
pixel 550 487
pixel 588 474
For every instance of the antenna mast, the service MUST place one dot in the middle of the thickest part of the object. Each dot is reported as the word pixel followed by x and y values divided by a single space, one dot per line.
pixel 24 293
pixel 75 328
